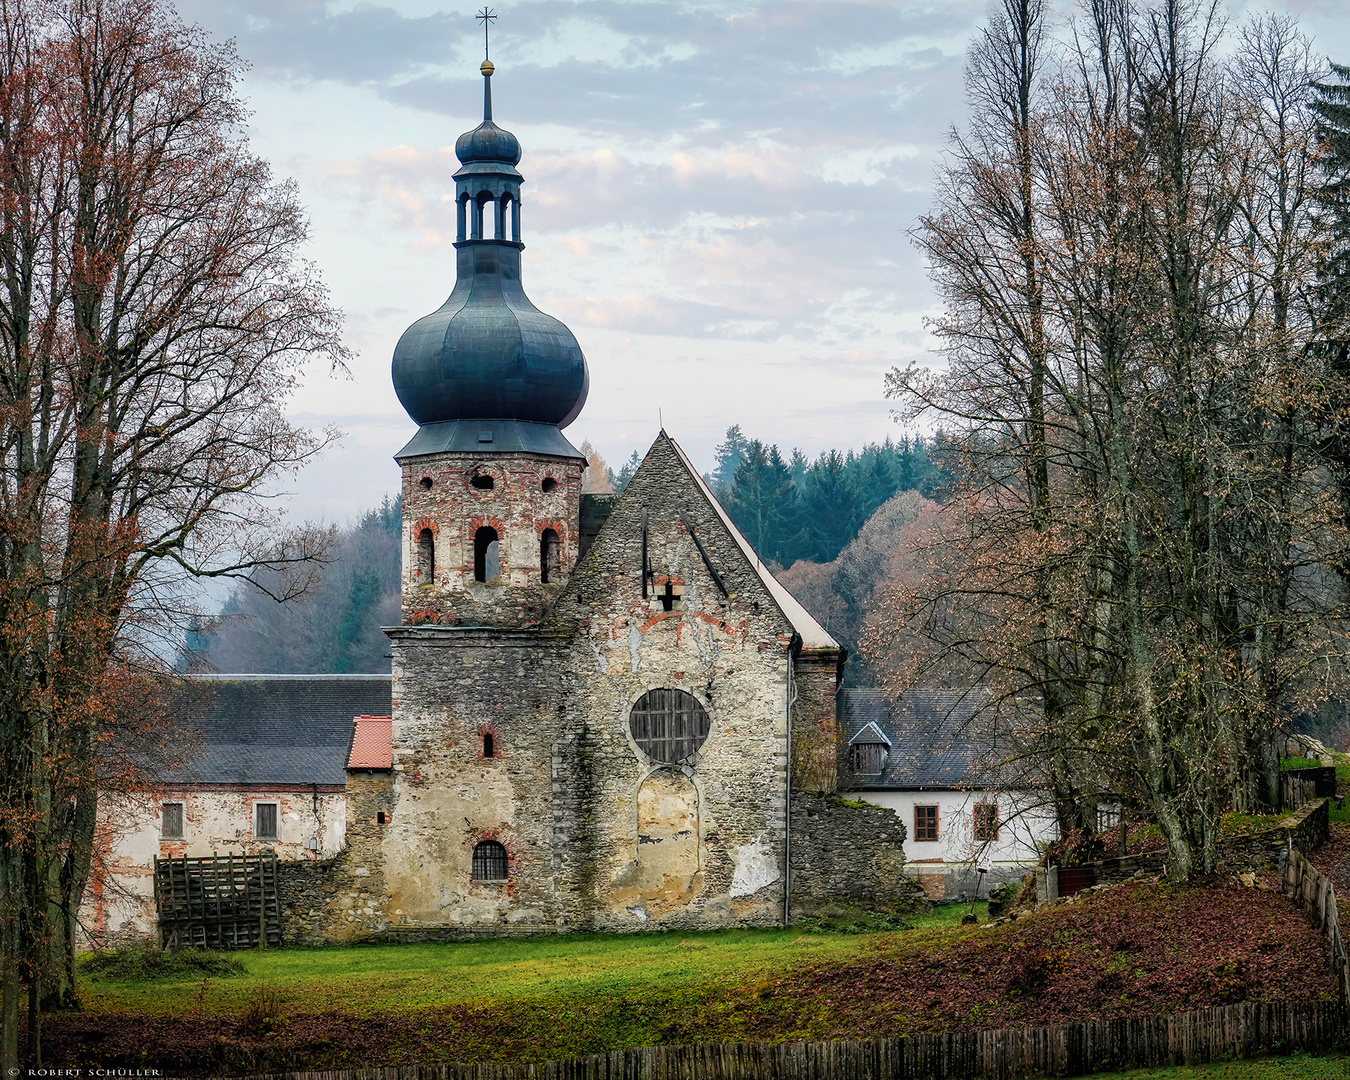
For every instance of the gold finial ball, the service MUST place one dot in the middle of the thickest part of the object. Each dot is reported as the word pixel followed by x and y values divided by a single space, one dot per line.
pixel 486 68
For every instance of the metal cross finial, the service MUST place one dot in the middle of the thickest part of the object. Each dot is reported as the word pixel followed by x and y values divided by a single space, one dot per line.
pixel 486 17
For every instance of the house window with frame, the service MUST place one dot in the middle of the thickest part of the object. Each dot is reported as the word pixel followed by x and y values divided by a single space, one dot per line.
pixel 925 823
pixel 489 862
pixel 171 821
pixel 986 822
pixel 265 821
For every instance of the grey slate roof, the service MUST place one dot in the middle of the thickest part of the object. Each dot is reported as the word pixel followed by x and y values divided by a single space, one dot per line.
pixel 276 729
pixel 934 738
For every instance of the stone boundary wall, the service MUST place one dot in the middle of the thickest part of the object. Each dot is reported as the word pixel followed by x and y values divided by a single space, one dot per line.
pixel 852 852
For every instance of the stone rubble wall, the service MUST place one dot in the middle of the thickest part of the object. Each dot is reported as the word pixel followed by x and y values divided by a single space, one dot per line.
pixel 850 852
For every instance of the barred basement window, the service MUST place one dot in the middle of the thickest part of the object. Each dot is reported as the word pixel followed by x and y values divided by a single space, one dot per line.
pixel 489 861
pixel 171 827
pixel 986 822
pixel 265 820
pixel 668 725
pixel 868 759
pixel 925 823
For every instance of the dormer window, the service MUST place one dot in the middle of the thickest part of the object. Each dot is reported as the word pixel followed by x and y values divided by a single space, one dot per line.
pixel 868 759
pixel 868 751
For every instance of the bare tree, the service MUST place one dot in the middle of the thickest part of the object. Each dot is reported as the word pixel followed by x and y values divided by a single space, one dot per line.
pixel 154 311
pixel 1137 558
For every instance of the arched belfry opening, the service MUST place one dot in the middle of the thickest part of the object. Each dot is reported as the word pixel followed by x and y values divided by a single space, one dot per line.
pixel 486 555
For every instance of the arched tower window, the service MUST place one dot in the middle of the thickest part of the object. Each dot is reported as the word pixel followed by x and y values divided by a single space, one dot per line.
pixel 668 726
pixel 508 216
pixel 486 554
pixel 489 745
pixel 426 556
pixel 548 555
pixel 461 217
pixel 487 216
pixel 489 862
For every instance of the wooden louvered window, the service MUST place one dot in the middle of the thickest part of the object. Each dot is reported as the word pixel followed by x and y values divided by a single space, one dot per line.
pixel 868 759
pixel 265 821
pixel 171 824
pixel 668 725
pixel 986 822
pixel 489 861
pixel 925 823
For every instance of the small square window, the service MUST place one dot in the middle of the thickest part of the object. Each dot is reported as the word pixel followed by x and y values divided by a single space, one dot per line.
pixel 265 820
pixel 925 823
pixel 986 822
pixel 171 821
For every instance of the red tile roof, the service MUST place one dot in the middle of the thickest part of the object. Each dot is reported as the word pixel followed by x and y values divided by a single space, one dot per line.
pixel 372 743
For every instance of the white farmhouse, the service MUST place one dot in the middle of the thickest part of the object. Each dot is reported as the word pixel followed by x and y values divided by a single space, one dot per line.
pixel 924 757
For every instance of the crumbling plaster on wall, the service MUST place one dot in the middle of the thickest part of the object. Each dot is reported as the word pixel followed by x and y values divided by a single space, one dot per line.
pixel 446 797
pixel 217 820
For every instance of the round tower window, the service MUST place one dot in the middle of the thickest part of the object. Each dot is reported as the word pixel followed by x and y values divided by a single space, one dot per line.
pixel 549 483
pixel 426 483
pixel 669 726
pixel 482 482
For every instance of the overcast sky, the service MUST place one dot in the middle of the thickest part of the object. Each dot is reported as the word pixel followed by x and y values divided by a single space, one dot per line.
pixel 717 198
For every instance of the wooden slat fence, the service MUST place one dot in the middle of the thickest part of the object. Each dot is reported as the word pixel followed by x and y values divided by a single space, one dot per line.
pixel 1313 892
pixel 218 903
pixel 1233 1031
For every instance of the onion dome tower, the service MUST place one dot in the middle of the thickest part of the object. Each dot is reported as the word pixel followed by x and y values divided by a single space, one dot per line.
pixel 491 487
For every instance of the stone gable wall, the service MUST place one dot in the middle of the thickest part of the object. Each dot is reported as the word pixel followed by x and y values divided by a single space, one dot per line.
pixel 624 858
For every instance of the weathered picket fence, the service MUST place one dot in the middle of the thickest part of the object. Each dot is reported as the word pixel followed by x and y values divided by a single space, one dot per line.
pixel 1233 1031
pixel 1313 892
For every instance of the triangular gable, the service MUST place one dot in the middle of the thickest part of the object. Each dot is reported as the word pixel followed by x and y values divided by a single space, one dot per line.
pixel 814 636
pixel 870 734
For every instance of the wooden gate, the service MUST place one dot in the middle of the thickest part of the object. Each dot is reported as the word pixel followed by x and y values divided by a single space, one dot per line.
pixel 218 903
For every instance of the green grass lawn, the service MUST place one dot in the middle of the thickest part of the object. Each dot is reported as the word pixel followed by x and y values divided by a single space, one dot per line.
pixel 1294 1067
pixel 373 978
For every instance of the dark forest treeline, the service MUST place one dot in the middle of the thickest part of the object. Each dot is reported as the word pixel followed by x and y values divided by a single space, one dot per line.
pixel 334 630
pixel 798 508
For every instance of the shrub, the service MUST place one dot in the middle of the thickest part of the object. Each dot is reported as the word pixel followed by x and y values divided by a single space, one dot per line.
pixel 148 964
pixel 264 1015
